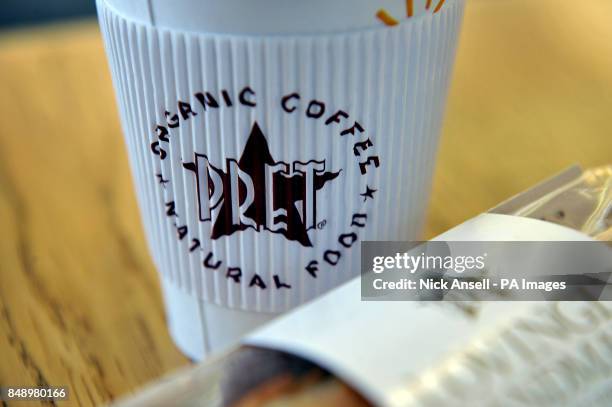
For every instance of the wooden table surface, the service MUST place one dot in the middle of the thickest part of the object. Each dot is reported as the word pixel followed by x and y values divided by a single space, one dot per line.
pixel 80 304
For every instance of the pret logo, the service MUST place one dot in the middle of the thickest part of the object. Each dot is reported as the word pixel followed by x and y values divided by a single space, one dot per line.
pixel 259 192
pixel 255 190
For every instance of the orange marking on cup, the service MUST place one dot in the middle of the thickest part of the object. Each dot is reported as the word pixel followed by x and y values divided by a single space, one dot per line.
pixel 428 5
pixel 383 16
pixel 409 8
pixel 439 6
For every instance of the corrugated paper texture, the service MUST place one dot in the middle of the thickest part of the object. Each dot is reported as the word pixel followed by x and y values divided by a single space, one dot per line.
pixel 261 162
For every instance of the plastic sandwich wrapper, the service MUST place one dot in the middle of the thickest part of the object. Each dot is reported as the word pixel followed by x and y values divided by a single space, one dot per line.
pixel 341 351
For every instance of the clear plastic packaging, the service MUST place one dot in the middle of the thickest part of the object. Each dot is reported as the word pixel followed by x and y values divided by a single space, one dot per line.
pixel 250 377
pixel 583 204
pixel 253 377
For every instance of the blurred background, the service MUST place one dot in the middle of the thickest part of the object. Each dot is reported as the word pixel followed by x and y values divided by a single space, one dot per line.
pixel 17 13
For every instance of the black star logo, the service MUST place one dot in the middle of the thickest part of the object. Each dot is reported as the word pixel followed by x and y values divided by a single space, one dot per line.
pixel 369 193
pixel 289 192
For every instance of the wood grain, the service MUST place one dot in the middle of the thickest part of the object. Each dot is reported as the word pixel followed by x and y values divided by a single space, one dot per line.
pixel 79 299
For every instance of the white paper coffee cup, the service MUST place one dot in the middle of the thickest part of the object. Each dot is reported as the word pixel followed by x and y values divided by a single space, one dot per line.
pixel 268 138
